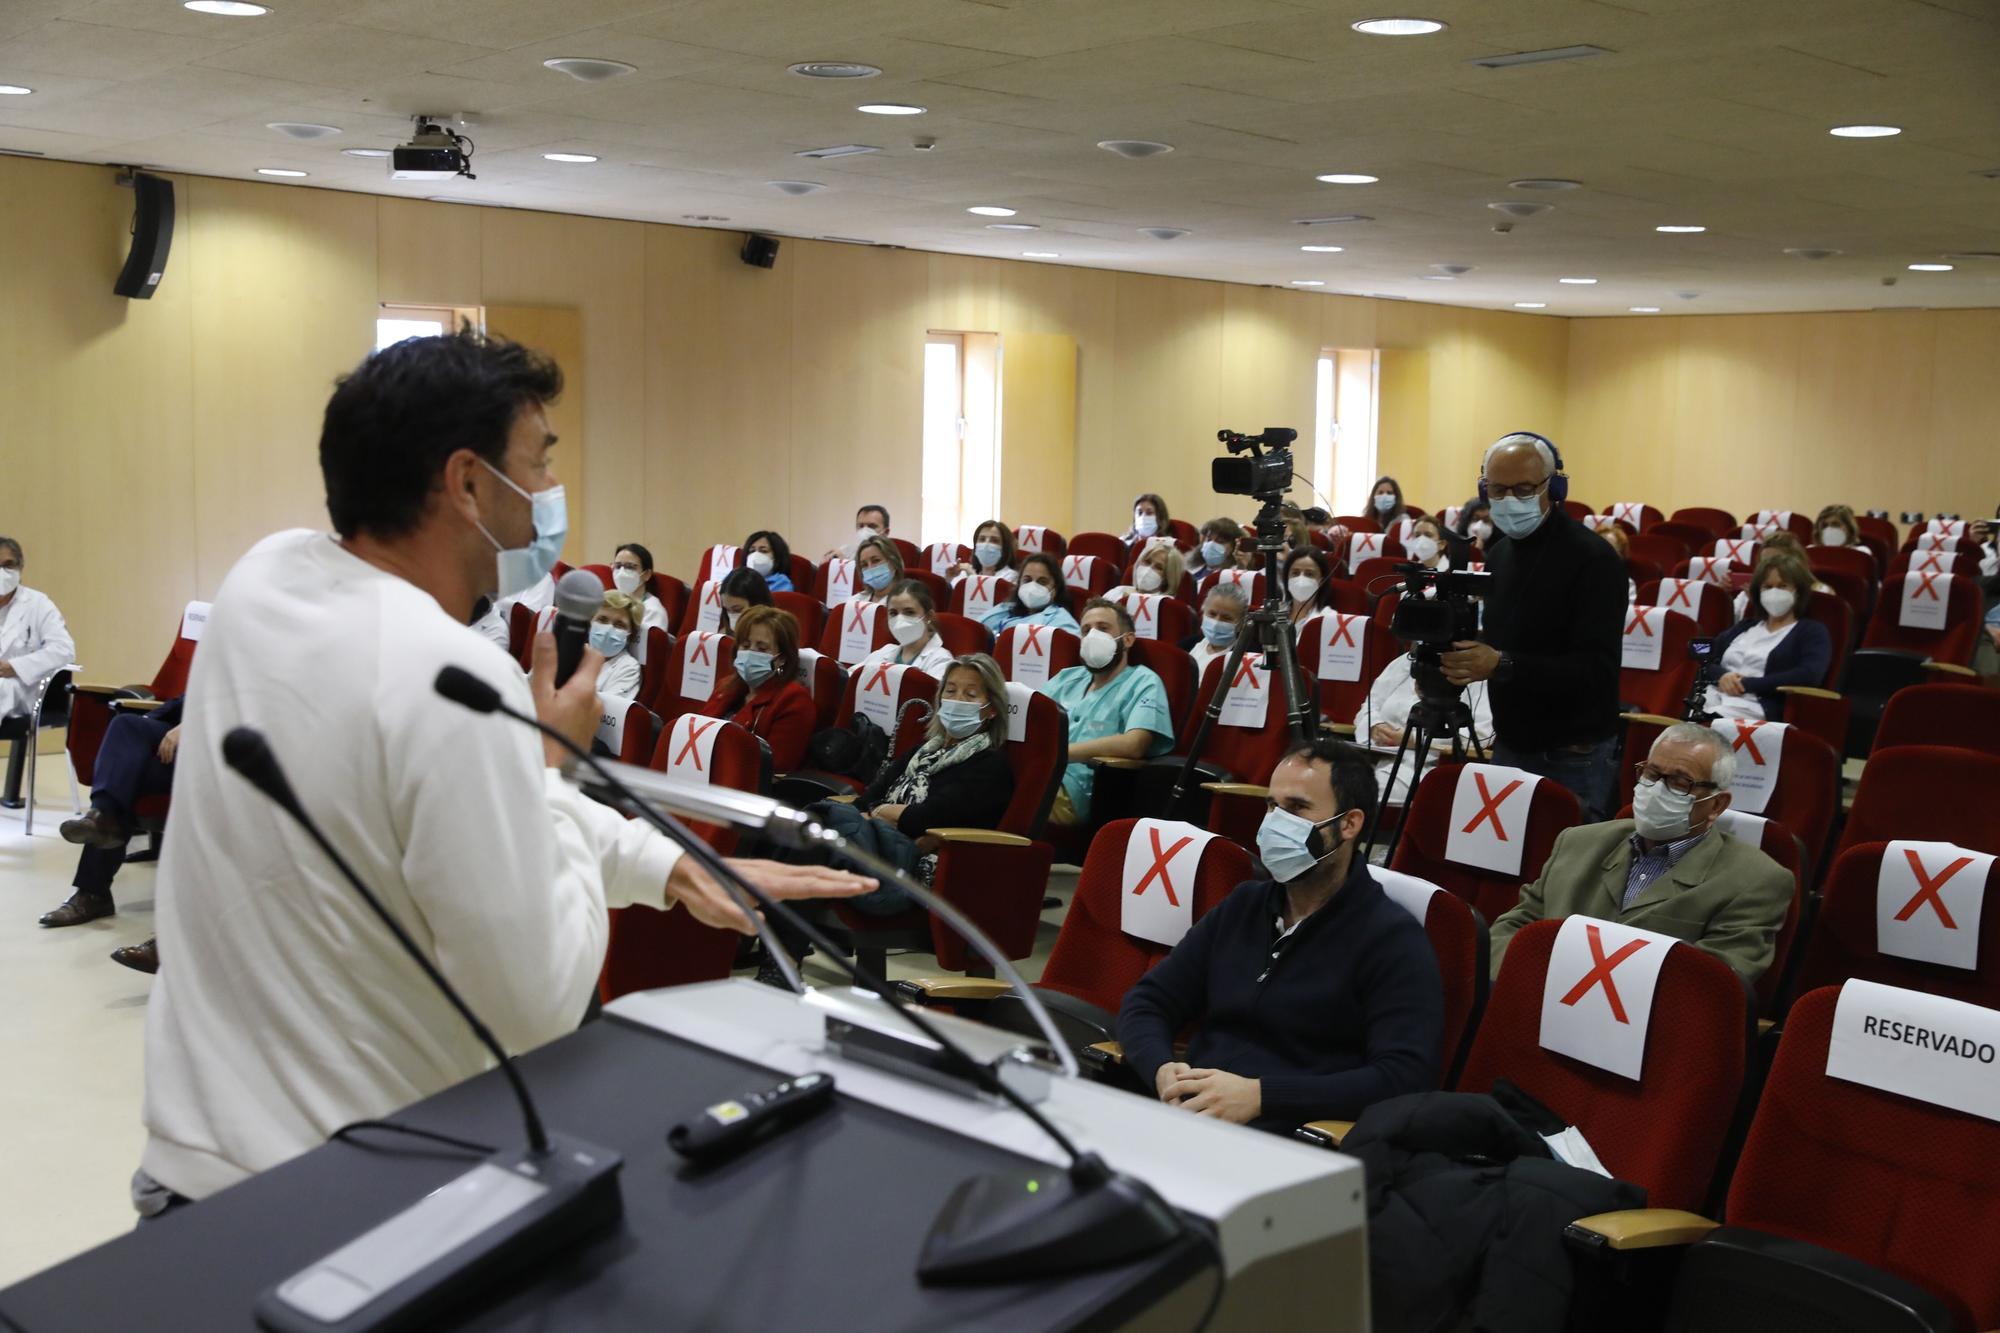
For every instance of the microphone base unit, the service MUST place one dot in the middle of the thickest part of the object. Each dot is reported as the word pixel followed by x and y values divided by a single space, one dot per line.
pixel 1015 1226
pixel 508 1213
pixel 913 1058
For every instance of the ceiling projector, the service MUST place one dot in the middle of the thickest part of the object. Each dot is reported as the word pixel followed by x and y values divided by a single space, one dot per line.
pixel 434 153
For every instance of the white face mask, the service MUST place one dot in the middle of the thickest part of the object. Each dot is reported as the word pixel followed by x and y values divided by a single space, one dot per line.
pixel 1302 587
pixel 1483 530
pixel 1099 649
pixel 10 579
pixel 1833 536
pixel 759 561
pixel 1423 550
pixel 626 581
pixel 1035 596
pixel 1659 813
pixel 906 630
pixel 1145 524
pixel 1147 579
pixel 1777 601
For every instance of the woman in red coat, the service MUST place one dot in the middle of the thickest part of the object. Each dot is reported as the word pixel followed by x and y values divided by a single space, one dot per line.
pixel 765 697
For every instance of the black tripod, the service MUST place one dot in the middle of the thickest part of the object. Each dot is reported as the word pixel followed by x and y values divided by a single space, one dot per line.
pixel 1269 627
pixel 1440 712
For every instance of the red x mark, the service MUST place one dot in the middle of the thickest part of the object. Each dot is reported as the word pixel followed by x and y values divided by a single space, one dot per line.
pixel 1927 888
pixel 1932 562
pixel 698 650
pixel 881 677
pixel 1926 587
pixel 1735 551
pixel 1031 539
pixel 1142 607
pixel 711 593
pixel 1489 806
pixel 1746 738
pixel 1683 593
pixel 1640 623
pixel 1033 643
pixel 1160 860
pixel 1343 630
pixel 1600 971
pixel 1627 512
pixel 1246 669
pixel 696 730
pixel 1073 568
pixel 1369 545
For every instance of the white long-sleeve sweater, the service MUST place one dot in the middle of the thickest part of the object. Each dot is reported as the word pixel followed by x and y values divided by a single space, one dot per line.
pixel 285 1009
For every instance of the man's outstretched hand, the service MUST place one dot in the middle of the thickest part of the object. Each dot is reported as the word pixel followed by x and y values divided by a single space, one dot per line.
pixel 711 904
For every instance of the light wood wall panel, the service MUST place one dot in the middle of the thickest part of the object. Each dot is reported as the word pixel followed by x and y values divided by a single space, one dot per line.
pixel 1038 427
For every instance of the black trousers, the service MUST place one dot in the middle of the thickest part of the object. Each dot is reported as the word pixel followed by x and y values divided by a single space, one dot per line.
pixel 128 768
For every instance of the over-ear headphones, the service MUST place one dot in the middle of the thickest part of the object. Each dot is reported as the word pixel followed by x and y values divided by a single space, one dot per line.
pixel 1558 482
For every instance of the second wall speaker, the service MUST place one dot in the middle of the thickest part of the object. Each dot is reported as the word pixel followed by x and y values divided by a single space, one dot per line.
pixel 760 251
pixel 152 237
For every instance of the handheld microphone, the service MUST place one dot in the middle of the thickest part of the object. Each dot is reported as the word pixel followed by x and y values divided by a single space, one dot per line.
pixel 513 1207
pixel 1001 1227
pixel 578 595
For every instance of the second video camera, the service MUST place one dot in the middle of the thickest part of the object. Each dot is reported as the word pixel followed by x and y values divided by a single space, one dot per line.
pixel 1266 474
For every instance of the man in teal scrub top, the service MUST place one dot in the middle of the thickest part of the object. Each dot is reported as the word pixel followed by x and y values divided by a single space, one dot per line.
pixel 1116 710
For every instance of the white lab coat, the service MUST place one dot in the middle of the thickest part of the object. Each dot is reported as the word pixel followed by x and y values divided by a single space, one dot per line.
pixel 1389 700
pixel 35 642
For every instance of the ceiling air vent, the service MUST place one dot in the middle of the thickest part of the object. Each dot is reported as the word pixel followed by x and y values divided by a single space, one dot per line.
pixel 1539 57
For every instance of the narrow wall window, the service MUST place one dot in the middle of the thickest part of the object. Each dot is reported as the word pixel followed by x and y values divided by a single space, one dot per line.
pixel 961 433
pixel 1344 427
pixel 393 323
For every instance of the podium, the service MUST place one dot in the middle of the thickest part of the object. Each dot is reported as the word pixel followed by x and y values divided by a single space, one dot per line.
pixel 819 1228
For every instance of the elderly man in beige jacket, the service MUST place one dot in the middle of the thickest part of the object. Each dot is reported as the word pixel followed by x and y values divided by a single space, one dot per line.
pixel 1667 869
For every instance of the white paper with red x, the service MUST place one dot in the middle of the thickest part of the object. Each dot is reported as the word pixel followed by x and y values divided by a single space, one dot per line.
pixel 1917 1045
pixel 1926 598
pixel 943 556
pixel 1450 518
pixel 1489 817
pixel 1363 546
pixel 1740 551
pixel 1928 897
pixel 1772 520
pixel 1709 569
pixel 611 723
pixel 1760 748
pixel 1079 570
pixel 1645 626
pixel 194 619
pixel 1598 522
pixel 721 559
pixel 691 747
pixel 1936 541
pixel 1244 579
pixel 1029 539
pixel 983 592
pixel 1144 608
pixel 857 631
pixel 1682 595
pixel 1932 562
pixel 1597 998
pixel 699 652
pixel 1630 512
pixel 1249 700
pixel 1946 527
pixel 708 606
pixel 875 697
pixel 1029 648
pixel 809 670
pixel 1156 901
pixel 1340 640
pixel 839 582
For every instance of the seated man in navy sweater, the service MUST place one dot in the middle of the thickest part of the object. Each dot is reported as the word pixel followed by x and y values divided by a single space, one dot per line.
pixel 1312 995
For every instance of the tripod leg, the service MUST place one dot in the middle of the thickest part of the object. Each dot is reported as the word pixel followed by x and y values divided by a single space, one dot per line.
pixel 1184 784
pixel 1382 804
pixel 1424 737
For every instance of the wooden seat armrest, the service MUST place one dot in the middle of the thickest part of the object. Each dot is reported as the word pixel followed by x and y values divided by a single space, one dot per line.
pixel 1109 761
pixel 136 705
pixel 1640 1228
pixel 1764 1026
pixel 1339 728
pixel 1325 1133
pixel 1950 669
pixel 1237 789
pixel 103 691
pixel 1650 717
pixel 1809 691
pixel 990 837
pixel 846 798
pixel 955 988
pixel 1112 1052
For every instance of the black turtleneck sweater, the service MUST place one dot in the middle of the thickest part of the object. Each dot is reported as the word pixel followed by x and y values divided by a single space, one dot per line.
pixel 1344 1012
pixel 1557 607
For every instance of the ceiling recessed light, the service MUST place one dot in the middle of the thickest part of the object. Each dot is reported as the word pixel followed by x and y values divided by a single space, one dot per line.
pixel 1397 27
pixel 302 130
pixel 1163 233
pixel 14 90
pixel 1136 149
pixel 1578 282
pixel 589 69
pixel 1812 252
pixel 1040 254
pixel 890 109
pixel 833 69
pixel 1322 249
pixel 1865 131
pixel 279 171
pixel 1544 183
pixel 1644 309
pixel 570 157
pixel 1676 229
pixel 1439 277
pixel 1531 305
pixel 364 152
pixel 991 211
pixel 1930 268
pixel 1013 226
pixel 796 187
pixel 1347 178
pixel 234 9
pixel 1519 208
pixel 1307 282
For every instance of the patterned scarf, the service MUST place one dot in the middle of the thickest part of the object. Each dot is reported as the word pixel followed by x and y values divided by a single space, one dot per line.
pixel 939 752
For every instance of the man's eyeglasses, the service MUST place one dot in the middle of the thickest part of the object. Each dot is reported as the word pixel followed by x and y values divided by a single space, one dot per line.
pixel 1527 490
pixel 1678 785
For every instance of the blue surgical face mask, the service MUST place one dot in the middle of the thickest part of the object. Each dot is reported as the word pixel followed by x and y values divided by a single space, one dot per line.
pixel 1220 633
pixel 1384 503
pixel 988 554
pixel 755 667
pixel 960 717
pixel 1283 844
pixel 1213 554
pixel 877 577
pixel 521 568
pixel 1518 516
pixel 1145 524
pixel 608 639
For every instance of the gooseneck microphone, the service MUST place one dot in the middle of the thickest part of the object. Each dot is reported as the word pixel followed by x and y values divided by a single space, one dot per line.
pixel 513 1208
pixel 578 595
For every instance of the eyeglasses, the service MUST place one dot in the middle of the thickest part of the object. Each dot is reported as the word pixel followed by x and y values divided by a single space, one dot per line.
pixel 1680 786
pixel 1525 491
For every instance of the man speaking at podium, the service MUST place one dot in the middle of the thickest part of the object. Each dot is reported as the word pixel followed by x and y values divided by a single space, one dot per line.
pixel 285 1010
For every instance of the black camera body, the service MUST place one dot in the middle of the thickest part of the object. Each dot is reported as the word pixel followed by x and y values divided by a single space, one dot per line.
pixel 1701 651
pixel 1266 474
pixel 1439 607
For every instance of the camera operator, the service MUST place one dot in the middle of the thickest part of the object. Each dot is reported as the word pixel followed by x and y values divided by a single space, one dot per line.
pixel 1552 628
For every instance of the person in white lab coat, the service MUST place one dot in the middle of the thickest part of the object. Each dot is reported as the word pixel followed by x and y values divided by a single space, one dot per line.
pixel 1385 713
pixel 34 644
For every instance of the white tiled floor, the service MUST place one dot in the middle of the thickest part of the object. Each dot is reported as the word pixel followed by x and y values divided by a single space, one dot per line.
pixel 71 1037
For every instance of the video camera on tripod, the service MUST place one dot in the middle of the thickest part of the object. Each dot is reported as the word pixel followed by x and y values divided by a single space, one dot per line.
pixel 1695 708
pixel 1266 474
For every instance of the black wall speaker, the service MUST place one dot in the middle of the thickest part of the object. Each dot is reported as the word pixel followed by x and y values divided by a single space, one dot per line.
pixel 152 237
pixel 760 251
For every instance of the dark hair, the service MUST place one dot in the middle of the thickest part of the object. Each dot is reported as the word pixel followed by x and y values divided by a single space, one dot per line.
pixel 645 556
pixel 747 584
pixel 1393 485
pixel 781 551
pixel 1316 515
pixel 1225 530
pixel 1351 769
pixel 1009 553
pixel 1159 508
pixel 1125 625
pixel 917 592
pixel 883 510
pixel 20 557
pixel 1054 566
pixel 1319 562
pixel 393 422
pixel 1469 512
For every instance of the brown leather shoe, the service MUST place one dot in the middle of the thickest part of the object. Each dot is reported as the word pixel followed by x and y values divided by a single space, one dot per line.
pixel 139 957
pixel 94 828
pixel 80 908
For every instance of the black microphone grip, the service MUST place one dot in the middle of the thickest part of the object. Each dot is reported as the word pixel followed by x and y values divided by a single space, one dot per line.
pixel 578 595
